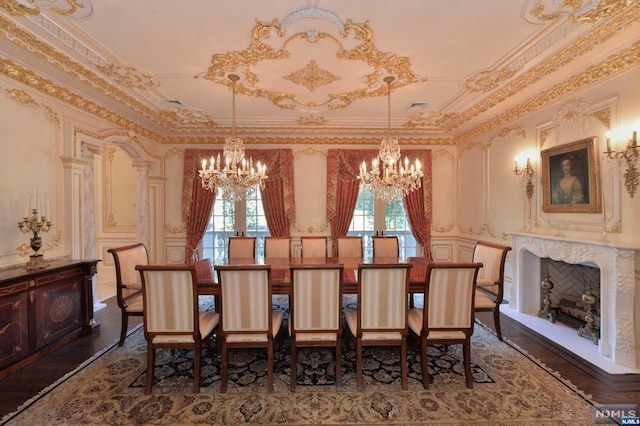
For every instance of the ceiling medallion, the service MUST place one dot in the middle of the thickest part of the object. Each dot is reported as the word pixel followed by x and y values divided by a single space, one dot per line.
pixel 312 76
pixel 269 42
pixel 583 11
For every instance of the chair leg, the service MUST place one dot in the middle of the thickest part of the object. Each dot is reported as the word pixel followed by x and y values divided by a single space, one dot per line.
pixel 423 361
pixel 223 374
pixel 403 363
pixel 151 361
pixel 293 366
pixel 197 359
pixel 496 320
pixel 123 328
pixel 467 362
pixel 359 363
pixel 270 366
pixel 339 364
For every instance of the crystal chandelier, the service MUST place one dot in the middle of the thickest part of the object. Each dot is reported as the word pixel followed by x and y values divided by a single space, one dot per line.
pixel 396 180
pixel 237 178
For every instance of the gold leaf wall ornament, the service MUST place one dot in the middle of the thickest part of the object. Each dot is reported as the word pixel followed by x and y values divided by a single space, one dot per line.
pixel 604 116
pixel 380 63
pixel 544 134
pixel 189 118
pixel 130 77
pixel 18 9
pixel 312 76
pixel 23 98
pixel 571 112
pixel 488 80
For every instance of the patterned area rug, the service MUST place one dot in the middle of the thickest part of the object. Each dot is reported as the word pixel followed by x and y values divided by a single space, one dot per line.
pixel 508 388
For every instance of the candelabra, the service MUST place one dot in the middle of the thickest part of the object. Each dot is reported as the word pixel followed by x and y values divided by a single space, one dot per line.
pixel 630 155
pixel 526 173
pixel 35 225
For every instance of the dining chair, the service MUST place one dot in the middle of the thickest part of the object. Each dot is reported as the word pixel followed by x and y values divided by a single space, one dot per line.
pixel 314 246
pixel 381 315
pixel 315 312
pixel 277 247
pixel 447 316
pixel 490 284
pixel 172 318
pixel 385 246
pixel 241 248
pixel 349 246
pixel 128 284
pixel 247 317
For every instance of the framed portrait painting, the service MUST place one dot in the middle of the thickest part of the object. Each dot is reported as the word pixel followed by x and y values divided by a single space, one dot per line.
pixel 571 178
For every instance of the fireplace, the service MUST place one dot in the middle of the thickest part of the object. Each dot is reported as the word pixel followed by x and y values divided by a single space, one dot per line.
pixel 616 263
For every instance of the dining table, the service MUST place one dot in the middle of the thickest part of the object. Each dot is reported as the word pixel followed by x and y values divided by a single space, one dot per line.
pixel 281 271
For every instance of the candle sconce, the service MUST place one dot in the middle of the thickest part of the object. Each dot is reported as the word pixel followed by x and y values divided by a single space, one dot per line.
pixel 527 173
pixel 35 224
pixel 630 155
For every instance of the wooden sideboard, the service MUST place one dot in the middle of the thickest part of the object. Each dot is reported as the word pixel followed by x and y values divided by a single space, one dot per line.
pixel 40 311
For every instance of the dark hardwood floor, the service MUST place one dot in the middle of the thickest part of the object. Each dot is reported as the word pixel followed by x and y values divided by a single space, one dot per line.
pixel 604 388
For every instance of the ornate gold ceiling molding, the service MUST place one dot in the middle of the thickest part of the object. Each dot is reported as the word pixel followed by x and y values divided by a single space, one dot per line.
pixel 23 98
pixel 241 62
pixel 18 9
pixel 605 69
pixel 580 10
pixel 608 29
pixel 485 81
pixel 130 77
pixel 312 76
pixel 72 7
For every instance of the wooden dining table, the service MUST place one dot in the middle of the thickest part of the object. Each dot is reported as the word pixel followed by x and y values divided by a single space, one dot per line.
pixel 281 272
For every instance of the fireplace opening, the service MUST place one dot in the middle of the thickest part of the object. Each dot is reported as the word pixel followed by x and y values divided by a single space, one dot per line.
pixel 570 294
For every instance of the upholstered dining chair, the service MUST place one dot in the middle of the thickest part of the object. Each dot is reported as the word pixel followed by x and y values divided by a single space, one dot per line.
pixel 349 246
pixel 241 248
pixel 128 284
pixel 447 316
pixel 314 246
pixel 277 247
pixel 315 312
pixel 490 284
pixel 247 317
pixel 385 246
pixel 381 315
pixel 171 315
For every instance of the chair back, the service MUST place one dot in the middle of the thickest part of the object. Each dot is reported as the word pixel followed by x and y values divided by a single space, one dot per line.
pixel 349 246
pixel 245 301
pixel 315 302
pixel 449 296
pixel 383 297
pixel 242 248
pixel 314 246
pixel 491 274
pixel 128 282
pixel 385 246
pixel 277 247
pixel 170 303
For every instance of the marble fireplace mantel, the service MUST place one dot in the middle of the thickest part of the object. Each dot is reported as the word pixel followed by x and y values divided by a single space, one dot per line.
pixel 617 287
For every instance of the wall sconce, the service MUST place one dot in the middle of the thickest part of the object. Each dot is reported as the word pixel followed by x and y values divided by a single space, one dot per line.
pixel 527 173
pixel 630 155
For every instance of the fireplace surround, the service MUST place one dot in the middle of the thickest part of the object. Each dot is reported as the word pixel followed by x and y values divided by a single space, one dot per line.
pixel 617 264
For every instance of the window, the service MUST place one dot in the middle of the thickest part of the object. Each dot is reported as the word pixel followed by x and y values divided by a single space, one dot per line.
pixel 230 218
pixel 373 216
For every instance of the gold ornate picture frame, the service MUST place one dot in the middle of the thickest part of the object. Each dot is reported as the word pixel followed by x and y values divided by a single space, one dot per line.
pixel 571 178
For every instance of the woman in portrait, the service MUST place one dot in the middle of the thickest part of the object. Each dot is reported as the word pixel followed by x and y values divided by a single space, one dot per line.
pixel 568 189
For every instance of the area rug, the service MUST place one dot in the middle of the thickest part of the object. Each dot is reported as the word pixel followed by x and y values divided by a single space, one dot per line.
pixel 509 388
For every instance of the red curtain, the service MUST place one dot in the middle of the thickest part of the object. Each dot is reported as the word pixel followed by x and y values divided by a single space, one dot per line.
pixel 418 203
pixel 277 197
pixel 343 167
